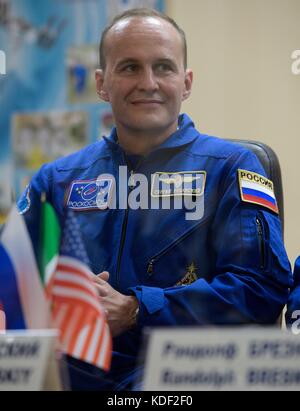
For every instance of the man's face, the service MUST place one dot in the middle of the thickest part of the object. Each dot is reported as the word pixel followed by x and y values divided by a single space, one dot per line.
pixel 144 79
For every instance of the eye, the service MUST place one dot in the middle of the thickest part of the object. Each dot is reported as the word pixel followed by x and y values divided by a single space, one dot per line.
pixel 130 68
pixel 164 68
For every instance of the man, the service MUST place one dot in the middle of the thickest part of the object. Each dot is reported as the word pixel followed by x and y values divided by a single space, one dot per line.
pixel 221 262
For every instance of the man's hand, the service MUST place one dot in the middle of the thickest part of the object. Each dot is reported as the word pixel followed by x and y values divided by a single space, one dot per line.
pixel 120 309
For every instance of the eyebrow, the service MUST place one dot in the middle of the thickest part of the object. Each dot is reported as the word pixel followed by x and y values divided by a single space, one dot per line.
pixel 129 61
pixel 136 61
pixel 126 61
pixel 166 61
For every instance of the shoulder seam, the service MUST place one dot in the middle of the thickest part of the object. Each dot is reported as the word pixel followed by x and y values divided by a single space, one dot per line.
pixel 217 157
pixel 80 167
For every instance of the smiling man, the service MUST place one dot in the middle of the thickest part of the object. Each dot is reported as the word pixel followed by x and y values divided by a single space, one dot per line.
pixel 158 268
pixel 145 79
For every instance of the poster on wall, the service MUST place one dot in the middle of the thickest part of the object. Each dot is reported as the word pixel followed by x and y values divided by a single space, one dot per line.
pixel 81 65
pixel 51 51
pixel 41 138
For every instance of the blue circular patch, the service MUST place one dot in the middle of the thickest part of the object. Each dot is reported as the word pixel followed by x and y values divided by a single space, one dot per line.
pixel 24 202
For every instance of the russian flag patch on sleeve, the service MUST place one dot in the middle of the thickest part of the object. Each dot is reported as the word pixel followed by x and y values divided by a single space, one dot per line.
pixel 257 189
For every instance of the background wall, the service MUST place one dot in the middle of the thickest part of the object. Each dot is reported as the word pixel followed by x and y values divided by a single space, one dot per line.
pixel 244 87
pixel 48 102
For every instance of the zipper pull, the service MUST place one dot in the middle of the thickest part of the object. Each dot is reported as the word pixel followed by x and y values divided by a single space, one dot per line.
pixel 258 223
pixel 261 242
pixel 131 183
pixel 150 268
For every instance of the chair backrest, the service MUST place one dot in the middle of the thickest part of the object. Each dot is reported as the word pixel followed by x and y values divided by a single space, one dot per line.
pixel 270 163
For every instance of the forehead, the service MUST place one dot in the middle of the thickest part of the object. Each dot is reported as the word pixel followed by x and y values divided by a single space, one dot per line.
pixel 137 37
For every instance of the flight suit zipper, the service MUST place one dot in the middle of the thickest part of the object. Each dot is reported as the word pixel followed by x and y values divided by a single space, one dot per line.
pixel 154 259
pixel 125 223
pixel 261 242
pixel 122 243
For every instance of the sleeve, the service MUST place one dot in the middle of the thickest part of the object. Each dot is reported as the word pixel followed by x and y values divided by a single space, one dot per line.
pixel 251 275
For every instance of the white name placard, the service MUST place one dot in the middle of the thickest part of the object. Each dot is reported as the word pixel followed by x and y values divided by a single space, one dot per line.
pixel 224 359
pixel 24 357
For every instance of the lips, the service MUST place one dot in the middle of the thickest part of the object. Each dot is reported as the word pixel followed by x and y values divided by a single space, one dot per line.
pixel 146 101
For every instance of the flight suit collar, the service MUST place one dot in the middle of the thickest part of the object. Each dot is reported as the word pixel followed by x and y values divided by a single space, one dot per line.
pixel 185 134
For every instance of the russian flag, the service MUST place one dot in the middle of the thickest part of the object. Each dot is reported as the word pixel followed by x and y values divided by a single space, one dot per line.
pixel 21 293
pixel 253 192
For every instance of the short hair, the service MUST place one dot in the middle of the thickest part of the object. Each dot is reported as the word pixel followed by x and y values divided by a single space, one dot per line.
pixel 140 12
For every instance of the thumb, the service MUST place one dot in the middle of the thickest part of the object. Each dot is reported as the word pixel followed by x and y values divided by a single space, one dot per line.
pixel 104 275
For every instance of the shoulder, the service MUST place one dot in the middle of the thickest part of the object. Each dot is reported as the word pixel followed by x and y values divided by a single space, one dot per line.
pixel 204 145
pixel 224 156
pixel 81 159
pixel 216 147
pixel 72 164
pixel 224 153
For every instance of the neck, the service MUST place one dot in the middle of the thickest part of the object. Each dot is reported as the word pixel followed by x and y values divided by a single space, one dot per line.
pixel 142 142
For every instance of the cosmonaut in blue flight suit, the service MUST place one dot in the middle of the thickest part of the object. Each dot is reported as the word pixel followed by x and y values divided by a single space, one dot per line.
pixel 227 267
pixel 217 259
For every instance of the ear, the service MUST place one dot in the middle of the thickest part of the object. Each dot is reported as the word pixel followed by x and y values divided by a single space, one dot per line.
pixel 102 93
pixel 188 81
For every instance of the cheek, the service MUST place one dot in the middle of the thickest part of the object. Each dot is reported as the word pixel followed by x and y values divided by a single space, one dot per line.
pixel 119 90
pixel 173 89
pixel 175 97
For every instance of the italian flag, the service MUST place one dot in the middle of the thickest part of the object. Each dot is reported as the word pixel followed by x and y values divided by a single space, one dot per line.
pixel 50 235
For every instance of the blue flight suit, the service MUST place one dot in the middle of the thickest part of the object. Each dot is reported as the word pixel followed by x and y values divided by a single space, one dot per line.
pixel 228 266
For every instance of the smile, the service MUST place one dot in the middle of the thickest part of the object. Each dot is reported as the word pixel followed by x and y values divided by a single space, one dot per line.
pixel 146 102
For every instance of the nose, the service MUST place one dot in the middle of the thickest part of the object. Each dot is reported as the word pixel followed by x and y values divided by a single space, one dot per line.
pixel 148 80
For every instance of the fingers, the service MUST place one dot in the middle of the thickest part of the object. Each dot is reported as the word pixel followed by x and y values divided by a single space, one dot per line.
pixel 102 291
pixel 104 276
pixel 99 280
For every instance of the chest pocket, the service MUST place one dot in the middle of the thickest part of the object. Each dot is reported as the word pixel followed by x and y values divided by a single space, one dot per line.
pixel 180 261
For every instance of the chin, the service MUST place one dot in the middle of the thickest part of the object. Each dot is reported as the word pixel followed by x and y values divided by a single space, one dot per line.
pixel 148 121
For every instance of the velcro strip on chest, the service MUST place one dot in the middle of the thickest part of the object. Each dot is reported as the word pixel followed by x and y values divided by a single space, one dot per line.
pixel 178 183
pixel 257 189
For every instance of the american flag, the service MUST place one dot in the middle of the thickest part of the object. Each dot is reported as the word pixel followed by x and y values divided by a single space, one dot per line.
pixel 77 312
